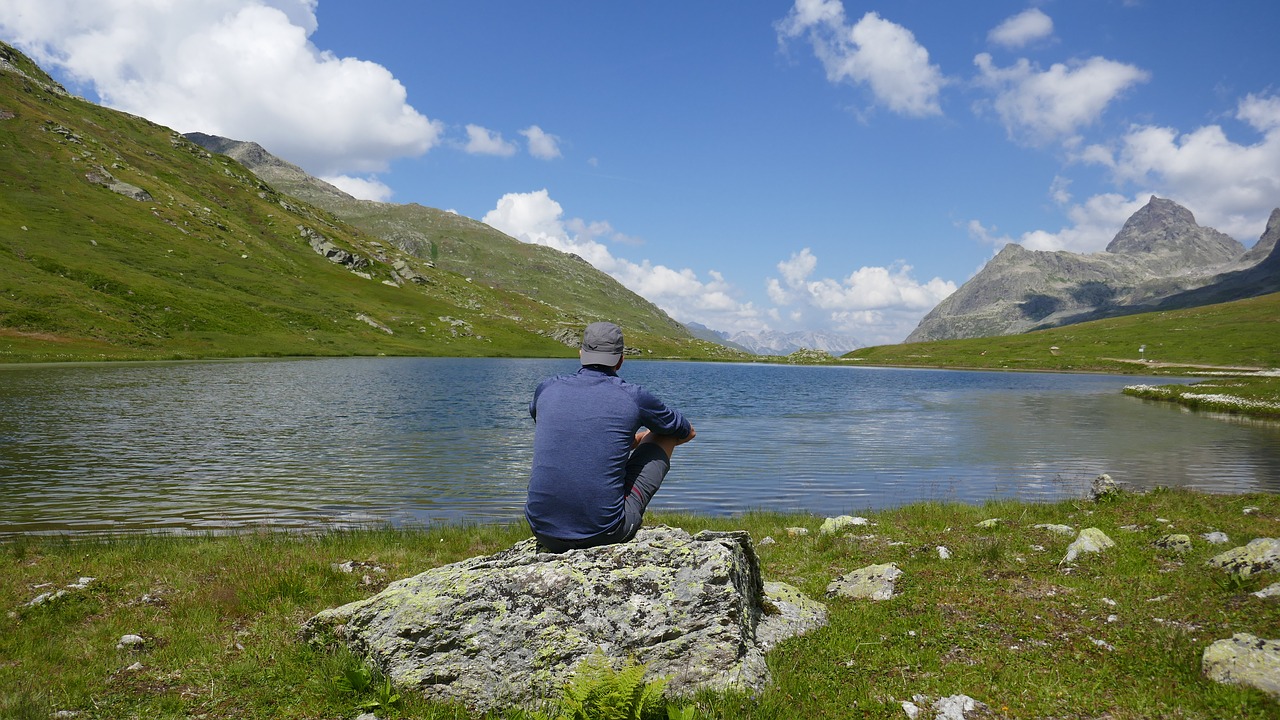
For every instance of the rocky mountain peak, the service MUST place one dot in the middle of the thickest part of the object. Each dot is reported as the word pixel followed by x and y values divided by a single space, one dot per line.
pixel 1153 227
pixel 1164 226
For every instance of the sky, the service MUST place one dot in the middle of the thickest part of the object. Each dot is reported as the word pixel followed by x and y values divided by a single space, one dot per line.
pixel 808 165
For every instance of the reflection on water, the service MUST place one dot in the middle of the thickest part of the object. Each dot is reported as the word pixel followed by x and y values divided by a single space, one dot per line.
pixel 318 443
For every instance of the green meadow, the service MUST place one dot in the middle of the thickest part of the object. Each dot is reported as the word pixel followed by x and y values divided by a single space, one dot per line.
pixel 1118 634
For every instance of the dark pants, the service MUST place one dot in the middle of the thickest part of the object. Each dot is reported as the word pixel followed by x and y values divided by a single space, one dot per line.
pixel 646 469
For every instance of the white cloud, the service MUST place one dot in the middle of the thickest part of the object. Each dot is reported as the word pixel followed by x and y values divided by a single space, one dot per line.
pixel 536 218
pixel 1094 224
pixel 240 68
pixel 542 145
pixel 874 52
pixel 1229 186
pixel 483 141
pixel 1041 106
pixel 876 304
pixel 1022 29
pixel 366 188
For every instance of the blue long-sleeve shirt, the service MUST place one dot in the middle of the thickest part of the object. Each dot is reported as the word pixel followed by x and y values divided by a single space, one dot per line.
pixel 585 425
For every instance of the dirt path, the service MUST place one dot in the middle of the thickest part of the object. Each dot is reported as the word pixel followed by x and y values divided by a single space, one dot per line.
pixel 1152 364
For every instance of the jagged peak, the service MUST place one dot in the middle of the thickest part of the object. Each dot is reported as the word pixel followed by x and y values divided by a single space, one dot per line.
pixel 1160 219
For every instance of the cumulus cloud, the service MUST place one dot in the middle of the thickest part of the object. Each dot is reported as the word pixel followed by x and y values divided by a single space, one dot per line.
pixel 874 52
pixel 1022 29
pixel 1229 185
pixel 1041 106
pixel 483 141
pixel 239 68
pixel 542 145
pixel 537 218
pixel 365 188
pixel 877 304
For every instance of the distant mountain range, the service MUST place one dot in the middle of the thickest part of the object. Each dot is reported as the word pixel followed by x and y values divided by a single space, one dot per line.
pixel 773 342
pixel 1160 259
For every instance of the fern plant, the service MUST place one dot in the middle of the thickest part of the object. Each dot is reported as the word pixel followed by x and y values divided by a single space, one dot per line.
pixel 599 692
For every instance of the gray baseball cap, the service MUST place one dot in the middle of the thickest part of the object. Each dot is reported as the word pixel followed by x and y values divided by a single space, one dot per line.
pixel 601 344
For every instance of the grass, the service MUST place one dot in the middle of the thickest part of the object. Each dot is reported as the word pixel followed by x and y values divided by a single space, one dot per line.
pixel 1230 341
pixel 1116 635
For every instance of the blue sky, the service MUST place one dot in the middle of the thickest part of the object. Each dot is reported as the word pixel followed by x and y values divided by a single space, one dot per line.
pixel 816 165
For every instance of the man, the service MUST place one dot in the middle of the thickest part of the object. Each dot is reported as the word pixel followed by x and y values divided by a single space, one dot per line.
pixel 594 470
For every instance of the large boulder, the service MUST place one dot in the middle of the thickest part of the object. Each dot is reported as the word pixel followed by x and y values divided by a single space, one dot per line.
pixel 510 628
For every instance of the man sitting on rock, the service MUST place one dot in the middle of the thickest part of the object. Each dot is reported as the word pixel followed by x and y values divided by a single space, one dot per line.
pixel 594 469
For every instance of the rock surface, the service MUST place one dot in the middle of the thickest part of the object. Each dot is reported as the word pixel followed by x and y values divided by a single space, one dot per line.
pixel 1261 555
pixel 839 524
pixel 874 582
pixel 1090 540
pixel 510 628
pixel 1244 660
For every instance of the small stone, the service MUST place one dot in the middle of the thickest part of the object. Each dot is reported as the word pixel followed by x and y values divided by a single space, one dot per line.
pixel 955 707
pixel 1271 590
pixel 135 667
pixel 1059 529
pixel 767 540
pixel 65 714
pixel 1103 488
pixel 130 641
pixel 1177 543
pixel 797 531
pixel 81 584
pixel 1251 510
pixel 1163 520
pixel 943 553
pixel 1102 644
pixel 988 523
pixel 1112 618
pixel 911 709
pixel 874 582
pixel 1109 601
pixel 1216 538
pixel 1090 540
pixel 831 526
pixel 1244 660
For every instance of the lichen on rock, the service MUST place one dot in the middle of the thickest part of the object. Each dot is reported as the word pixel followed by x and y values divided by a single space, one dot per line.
pixel 510 628
pixel 1260 555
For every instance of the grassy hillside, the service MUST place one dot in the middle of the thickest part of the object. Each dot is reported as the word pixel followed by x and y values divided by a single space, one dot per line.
pixel 1245 333
pixel 212 262
pixel 459 244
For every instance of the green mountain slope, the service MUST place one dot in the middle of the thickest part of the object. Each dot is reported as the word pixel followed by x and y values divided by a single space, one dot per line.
pixel 120 239
pixel 462 245
pixel 1244 333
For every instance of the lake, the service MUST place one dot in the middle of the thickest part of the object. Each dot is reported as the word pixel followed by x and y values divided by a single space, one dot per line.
pixel 318 443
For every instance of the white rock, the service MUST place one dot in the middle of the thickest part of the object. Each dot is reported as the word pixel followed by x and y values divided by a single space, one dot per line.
pixel 1217 538
pixel 1271 590
pixel 944 553
pixel 911 709
pixel 135 667
pixel 954 707
pixel 834 525
pixel 767 540
pixel 1059 529
pixel 128 641
pixel 1090 540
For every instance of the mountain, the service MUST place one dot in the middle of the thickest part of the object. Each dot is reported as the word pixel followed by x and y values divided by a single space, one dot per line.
pixel 1160 255
pixel 121 239
pixel 772 342
pixel 458 244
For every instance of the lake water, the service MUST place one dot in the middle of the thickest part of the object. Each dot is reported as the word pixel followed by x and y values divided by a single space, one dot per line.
pixel 219 446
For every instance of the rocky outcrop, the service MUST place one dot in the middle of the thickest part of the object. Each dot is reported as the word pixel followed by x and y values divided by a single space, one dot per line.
pixel 325 247
pixel 1160 255
pixel 510 628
